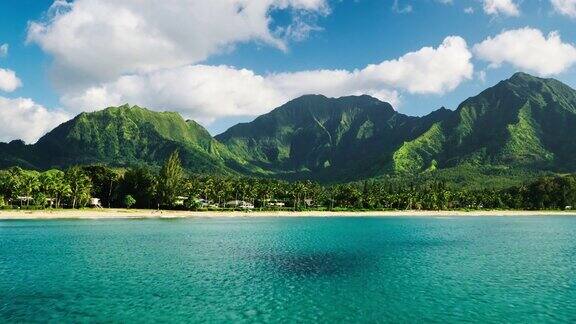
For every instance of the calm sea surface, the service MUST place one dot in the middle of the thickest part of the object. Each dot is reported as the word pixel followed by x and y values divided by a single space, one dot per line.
pixel 491 269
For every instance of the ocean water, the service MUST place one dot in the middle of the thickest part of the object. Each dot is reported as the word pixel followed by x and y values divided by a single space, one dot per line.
pixel 491 269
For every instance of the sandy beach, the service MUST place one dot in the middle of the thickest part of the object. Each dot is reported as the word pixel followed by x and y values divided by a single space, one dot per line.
pixel 143 214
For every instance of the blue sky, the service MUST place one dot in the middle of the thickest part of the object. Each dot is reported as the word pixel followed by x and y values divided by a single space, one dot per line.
pixel 222 65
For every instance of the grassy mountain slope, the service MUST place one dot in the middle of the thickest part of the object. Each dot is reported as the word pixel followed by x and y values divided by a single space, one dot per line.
pixel 326 138
pixel 523 122
pixel 127 135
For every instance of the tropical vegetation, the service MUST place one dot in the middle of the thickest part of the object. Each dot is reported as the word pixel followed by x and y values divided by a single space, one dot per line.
pixel 172 187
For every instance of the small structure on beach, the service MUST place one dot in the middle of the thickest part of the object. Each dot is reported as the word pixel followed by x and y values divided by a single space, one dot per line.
pixel 207 203
pixel 95 203
pixel 180 200
pixel 239 204
pixel 50 202
pixel 273 203
pixel 24 199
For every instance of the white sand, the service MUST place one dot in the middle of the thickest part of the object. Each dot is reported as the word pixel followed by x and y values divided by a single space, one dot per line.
pixel 138 213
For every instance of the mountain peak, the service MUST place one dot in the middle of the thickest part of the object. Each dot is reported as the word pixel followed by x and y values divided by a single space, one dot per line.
pixel 357 99
pixel 522 77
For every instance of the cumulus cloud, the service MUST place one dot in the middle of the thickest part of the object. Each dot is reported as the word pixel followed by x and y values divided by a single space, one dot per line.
pixel 8 80
pixel 207 92
pixel 565 7
pixel 100 40
pixel 150 53
pixel 428 70
pixel 201 92
pixel 3 50
pixel 501 7
pixel 24 119
pixel 528 49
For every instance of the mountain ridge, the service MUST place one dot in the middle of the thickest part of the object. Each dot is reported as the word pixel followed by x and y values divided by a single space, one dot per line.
pixel 523 122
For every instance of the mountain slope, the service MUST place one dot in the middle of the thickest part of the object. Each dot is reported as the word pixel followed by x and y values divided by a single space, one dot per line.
pixel 524 122
pixel 521 126
pixel 124 136
pixel 326 138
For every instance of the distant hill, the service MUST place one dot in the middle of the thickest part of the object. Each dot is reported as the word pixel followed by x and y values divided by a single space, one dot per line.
pixel 520 126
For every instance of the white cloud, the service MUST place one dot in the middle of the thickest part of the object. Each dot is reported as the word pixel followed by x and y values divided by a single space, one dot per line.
pixel 95 41
pixel 401 9
pixel 207 92
pixel 8 80
pixel 501 7
pixel 428 70
pixel 26 120
pixel 198 91
pixel 565 7
pixel 469 10
pixel 3 50
pixel 528 49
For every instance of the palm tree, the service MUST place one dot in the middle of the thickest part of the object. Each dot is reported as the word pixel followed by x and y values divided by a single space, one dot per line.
pixel 79 184
pixel 29 183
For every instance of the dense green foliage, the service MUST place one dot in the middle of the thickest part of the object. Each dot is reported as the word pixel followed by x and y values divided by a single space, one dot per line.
pixel 129 201
pixel 173 188
pixel 517 130
pixel 170 180
pixel 523 122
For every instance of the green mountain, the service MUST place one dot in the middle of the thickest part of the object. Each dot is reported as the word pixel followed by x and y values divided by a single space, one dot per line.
pixel 122 136
pixel 523 125
pixel 348 138
pixel 519 127
pixel 523 122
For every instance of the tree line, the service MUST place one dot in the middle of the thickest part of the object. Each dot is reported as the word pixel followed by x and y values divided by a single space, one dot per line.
pixel 171 187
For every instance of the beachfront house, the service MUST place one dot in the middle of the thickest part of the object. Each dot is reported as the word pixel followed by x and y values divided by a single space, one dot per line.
pixel 273 203
pixel 203 203
pixel 309 202
pixel 24 200
pixel 239 204
pixel 207 203
pixel 180 200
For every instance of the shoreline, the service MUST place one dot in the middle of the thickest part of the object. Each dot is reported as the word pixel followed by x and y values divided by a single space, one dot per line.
pixel 115 213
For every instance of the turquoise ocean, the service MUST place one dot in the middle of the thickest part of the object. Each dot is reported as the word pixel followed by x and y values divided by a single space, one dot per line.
pixel 234 270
